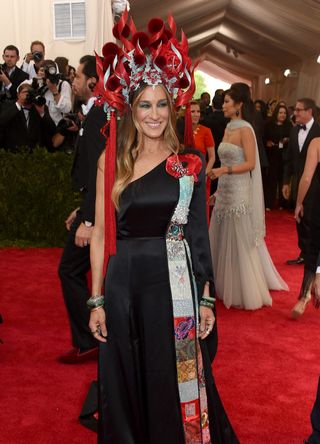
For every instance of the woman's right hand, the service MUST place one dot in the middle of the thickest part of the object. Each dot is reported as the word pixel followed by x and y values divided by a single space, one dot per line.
pixel 212 200
pixel 298 212
pixel 97 324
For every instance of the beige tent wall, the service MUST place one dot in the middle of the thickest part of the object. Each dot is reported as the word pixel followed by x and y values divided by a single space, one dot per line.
pixel 22 21
pixel 305 84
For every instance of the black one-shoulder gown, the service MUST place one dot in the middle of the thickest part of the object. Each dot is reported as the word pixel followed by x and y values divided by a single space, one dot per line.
pixel 138 385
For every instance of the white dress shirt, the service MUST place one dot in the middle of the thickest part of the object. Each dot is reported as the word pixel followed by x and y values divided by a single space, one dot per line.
pixel 29 69
pixel 302 135
pixel 57 110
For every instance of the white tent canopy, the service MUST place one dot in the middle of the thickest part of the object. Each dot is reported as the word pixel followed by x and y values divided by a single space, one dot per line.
pixel 249 39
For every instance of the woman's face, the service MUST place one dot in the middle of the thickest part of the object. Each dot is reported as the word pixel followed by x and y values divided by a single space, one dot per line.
pixel 229 107
pixel 152 112
pixel 195 113
pixel 257 106
pixel 41 73
pixel 282 115
pixel 72 74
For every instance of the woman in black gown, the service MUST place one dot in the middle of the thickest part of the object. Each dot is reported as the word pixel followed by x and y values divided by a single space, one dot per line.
pixel 156 322
pixel 276 136
pixel 310 177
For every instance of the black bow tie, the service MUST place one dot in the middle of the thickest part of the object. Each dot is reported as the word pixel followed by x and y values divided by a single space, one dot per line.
pixel 302 127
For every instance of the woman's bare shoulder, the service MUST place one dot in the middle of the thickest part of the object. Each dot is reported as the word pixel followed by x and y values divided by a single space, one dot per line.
pixel 101 161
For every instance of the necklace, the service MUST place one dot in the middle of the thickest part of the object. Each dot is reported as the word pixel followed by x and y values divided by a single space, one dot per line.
pixel 196 130
pixel 237 123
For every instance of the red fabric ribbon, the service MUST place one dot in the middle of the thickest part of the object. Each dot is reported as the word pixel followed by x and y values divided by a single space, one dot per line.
pixel 109 209
pixel 184 165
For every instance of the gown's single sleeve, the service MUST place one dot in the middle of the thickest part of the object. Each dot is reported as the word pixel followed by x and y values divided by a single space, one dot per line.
pixel 197 236
pixel 197 232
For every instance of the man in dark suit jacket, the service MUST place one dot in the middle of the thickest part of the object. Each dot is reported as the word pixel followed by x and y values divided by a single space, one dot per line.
pixel 10 75
pixel 295 158
pixel 75 260
pixel 23 124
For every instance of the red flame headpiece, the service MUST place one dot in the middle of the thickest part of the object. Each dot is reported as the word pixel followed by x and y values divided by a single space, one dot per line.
pixel 154 57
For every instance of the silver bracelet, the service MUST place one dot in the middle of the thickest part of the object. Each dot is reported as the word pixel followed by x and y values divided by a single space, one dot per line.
pixel 95 301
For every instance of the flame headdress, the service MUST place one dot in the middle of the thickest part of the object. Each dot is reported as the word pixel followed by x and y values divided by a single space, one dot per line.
pixel 144 58
pixel 153 58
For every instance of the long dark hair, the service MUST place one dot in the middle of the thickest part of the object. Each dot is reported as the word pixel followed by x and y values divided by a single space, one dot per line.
pixel 275 113
pixel 263 107
pixel 240 93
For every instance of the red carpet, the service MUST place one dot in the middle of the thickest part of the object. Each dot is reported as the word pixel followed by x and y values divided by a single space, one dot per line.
pixel 266 369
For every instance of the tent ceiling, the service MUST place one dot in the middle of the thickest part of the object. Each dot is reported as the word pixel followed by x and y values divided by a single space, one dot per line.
pixel 246 37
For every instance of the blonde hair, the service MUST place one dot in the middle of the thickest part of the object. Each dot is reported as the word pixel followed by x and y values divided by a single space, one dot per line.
pixel 130 142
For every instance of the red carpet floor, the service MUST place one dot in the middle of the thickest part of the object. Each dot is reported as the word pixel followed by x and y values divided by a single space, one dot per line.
pixel 266 369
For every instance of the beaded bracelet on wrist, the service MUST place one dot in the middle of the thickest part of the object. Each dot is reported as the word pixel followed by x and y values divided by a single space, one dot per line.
pixel 207 301
pixel 95 302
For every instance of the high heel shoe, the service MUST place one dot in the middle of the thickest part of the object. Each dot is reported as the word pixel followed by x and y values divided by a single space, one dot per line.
pixel 300 307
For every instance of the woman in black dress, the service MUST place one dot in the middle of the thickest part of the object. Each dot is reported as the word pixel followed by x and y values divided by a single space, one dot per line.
pixel 310 177
pixel 156 323
pixel 276 136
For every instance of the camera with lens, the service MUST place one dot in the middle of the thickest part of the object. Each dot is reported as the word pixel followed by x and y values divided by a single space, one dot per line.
pixel 67 122
pixel 51 73
pixel 37 56
pixel 5 95
pixel 34 99
pixel 3 69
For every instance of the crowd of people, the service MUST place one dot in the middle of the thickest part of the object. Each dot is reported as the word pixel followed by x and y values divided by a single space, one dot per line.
pixel 149 223
pixel 36 101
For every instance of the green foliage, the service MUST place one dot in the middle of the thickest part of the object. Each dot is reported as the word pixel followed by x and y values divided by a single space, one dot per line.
pixel 36 197
pixel 201 84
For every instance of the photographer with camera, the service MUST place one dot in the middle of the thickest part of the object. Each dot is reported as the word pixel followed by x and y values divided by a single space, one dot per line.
pixel 10 75
pixel 58 94
pixel 26 123
pixel 67 132
pixel 33 59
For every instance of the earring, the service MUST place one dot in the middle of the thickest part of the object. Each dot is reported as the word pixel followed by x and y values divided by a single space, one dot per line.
pixel 237 113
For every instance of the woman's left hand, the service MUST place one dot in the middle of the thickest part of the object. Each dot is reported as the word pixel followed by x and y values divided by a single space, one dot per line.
pixel 207 321
pixel 298 213
pixel 215 173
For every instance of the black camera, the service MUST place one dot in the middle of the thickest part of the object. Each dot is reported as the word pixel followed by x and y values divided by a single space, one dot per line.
pixel 51 73
pixel 69 120
pixel 3 69
pixel 34 99
pixel 37 56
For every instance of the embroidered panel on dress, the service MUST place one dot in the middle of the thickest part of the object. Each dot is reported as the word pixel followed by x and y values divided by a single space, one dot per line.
pixel 190 374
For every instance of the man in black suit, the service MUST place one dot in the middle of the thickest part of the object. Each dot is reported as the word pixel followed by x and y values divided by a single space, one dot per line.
pixel 301 135
pixel 75 260
pixel 24 124
pixel 10 75
pixel 205 106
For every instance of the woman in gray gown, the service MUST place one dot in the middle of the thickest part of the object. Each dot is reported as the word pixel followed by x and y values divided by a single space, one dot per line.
pixel 243 269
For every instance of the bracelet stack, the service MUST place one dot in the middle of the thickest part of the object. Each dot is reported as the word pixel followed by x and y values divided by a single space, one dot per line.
pixel 95 302
pixel 207 301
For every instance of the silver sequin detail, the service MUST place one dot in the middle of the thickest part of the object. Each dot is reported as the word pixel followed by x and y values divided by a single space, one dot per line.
pixel 234 191
pixel 180 215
